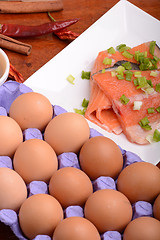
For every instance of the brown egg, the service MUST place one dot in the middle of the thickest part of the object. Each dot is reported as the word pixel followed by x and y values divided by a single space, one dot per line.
pixel 100 156
pixel 34 160
pixel 70 186
pixel 142 228
pixel 40 214
pixel 13 190
pixel 67 132
pixel 10 136
pixel 140 182
pixel 156 208
pixel 31 110
pixel 76 228
pixel 108 210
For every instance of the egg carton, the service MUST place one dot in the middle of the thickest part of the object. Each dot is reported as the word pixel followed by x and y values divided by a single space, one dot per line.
pixel 9 91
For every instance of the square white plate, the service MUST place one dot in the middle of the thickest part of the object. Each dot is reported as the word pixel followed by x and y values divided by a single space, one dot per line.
pixel 124 23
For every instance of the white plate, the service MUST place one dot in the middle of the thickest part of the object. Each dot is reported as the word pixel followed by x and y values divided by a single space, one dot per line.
pixel 124 23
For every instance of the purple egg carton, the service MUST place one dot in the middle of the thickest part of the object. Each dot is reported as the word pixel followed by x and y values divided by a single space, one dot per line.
pixel 111 235
pixel 9 91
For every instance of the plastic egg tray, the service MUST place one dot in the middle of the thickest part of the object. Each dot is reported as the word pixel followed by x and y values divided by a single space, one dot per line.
pixel 9 91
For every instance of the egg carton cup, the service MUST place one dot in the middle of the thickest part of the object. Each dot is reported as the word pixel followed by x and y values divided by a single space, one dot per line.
pixel 9 91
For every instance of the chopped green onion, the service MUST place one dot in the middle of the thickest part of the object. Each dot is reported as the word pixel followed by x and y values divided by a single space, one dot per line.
pixel 150 110
pixel 144 123
pixel 156 58
pixel 128 75
pixel 122 49
pixel 137 105
pixel 135 81
pixel 127 65
pixel 139 56
pixel 158 109
pixel 149 138
pixel 142 82
pixel 124 99
pixel 107 61
pixel 120 69
pixel 150 82
pixel 145 54
pixel 137 74
pixel 148 89
pixel 111 50
pixel 120 46
pixel 152 47
pixel 158 87
pixel 103 70
pixel 85 75
pixel 156 135
pixel 71 79
pixel 85 103
pixel 113 73
pixel 127 54
pixel 120 76
pixel 154 73
pixel 80 111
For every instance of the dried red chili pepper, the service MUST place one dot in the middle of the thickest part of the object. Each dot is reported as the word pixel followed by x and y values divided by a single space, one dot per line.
pixel 15 75
pixel 64 34
pixel 16 30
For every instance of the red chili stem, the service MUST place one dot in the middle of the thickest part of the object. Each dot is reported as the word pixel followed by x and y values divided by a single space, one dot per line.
pixel 16 30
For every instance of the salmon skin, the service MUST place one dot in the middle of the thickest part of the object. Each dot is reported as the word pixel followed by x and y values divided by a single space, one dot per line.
pixel 105 110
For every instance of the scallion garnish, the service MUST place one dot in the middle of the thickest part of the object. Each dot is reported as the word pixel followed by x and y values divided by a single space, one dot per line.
pixel 154 73
pixel 152 47
pixel 156 135
pixel 111 50
pixel 103 70
pixel 137 105
pixel 127 65
pixel 135 81
pixel 137 74
pixel 142 82
pixel 128 75
pixel 85 103
pixel 85 75
pixel 144 123
pixel 158 87
pixel 150 110
pixel 150 82
pixel 107 61
pixel 158 109
pixel 120 76
pixel 124 99
pixel 120 46
pixel 71 79
pixel 79 111
pixel 120 70
pixel 127 54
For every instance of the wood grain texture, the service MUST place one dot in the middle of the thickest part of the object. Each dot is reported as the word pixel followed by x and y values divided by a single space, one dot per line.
pixel 46 47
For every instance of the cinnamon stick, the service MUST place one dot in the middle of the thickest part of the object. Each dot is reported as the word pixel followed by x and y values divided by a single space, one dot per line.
pixel 30 6
pixel 14 45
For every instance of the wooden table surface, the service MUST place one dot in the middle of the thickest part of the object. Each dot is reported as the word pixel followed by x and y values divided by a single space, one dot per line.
pixel 46 47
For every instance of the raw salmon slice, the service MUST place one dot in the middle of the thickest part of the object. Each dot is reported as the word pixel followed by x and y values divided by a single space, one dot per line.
pixel 129 118
pixel 100 110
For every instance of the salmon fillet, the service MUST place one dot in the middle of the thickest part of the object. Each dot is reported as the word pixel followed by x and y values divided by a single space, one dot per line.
pixel 100 109
pixel 129 118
